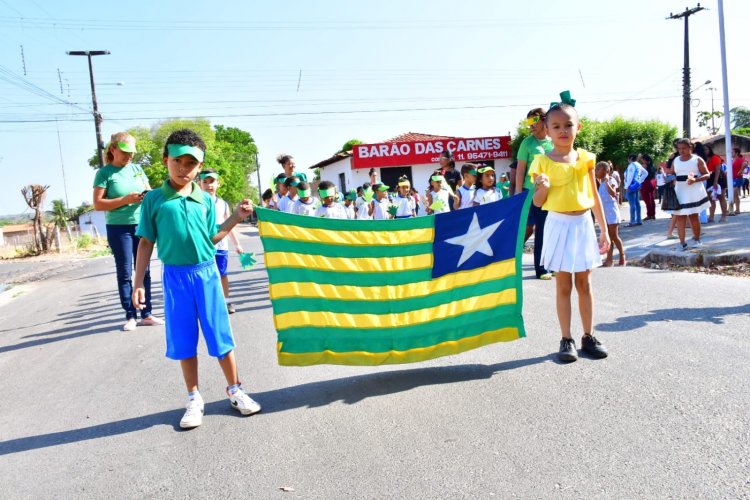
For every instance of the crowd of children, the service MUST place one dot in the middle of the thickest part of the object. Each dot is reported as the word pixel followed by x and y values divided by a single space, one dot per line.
pixel 477 185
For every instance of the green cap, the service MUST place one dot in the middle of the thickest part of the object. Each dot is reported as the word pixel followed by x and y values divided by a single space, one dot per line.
pixel 351 195
pixel 325 193
pixel 303 193
pixel 126 147
pixel 209 174
pixel 383 187
pixel 175 150
pixel 280 179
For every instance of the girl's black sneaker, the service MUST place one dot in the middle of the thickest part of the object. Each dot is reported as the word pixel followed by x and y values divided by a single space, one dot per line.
pixel 591 346
pixel 568 351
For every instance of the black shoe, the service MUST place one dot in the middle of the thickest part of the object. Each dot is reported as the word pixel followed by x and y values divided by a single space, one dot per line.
pixel 230 308
pixel 591 346
pixel 568 351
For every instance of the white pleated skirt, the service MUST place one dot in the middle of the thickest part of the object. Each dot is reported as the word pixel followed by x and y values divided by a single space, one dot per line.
pixel 570 243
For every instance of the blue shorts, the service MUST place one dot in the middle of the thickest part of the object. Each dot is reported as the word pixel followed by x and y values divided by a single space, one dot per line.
pixel 222 259
pixel 193 294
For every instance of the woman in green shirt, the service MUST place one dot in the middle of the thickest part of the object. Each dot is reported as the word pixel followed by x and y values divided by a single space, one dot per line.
pixel 119 187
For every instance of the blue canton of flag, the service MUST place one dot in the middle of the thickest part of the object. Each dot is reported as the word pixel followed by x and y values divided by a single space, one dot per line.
pixel 476 237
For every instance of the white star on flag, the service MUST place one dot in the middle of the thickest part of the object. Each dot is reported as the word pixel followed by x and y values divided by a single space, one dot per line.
pixel 475 240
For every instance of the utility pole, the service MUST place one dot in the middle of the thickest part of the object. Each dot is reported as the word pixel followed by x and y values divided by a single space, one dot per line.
pixel 257 169
pixel 686 69
pixel 97 116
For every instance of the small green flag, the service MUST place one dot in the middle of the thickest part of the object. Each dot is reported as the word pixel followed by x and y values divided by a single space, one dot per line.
pixel 247 260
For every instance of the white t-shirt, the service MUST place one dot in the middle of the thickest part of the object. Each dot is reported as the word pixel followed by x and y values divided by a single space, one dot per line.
pixel 222 207
pixel 335 211
pixel 405 206
pixel 301 208
pixel 381 209
pixel 350 213
pixel 286 203
pixel 443 196
pixel 363 210
pixel 482 196
pixel 467 196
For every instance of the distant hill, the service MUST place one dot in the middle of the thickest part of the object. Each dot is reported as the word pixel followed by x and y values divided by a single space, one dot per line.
pixel 14 219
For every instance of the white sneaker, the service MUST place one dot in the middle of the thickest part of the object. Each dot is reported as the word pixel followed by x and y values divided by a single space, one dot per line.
pixel 243 403
pixel 193 416
pixel 697 244
pixel 129 325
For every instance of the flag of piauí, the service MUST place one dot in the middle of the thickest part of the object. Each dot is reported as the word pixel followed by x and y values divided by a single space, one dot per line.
pixel 357 292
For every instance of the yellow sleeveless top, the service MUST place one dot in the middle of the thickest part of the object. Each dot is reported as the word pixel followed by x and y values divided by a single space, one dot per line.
pixel 570 188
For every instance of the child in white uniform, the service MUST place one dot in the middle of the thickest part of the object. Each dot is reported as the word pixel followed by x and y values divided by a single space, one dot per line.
pixel 306 204
pixel 465 193
pixel 379 206
pixel 487 192
pixel 329 208
pixel 439 195
pixel 404 205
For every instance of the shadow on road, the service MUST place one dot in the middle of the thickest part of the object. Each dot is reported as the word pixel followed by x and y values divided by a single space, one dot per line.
pixel 349 390
pixel 713 315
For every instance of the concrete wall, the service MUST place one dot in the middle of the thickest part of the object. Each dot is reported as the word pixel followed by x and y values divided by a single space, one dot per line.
pixel 92 219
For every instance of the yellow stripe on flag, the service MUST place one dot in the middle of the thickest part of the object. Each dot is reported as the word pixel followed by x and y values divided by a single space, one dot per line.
pixel 396 292
pixel 356 238
pixel 394 357
pixel 349 265
pixel 393 320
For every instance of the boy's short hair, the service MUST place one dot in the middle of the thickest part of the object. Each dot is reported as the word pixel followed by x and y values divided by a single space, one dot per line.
pixel 467 167
pixel 267 195
pixel 292 181
pixel 303 186
pixel 184 136
pixel 325 185
pixel 366 185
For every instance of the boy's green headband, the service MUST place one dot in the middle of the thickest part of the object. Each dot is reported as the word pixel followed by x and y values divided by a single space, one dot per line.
pixel 303 193
pixel 176 150
pixel 384 188
pixel 209 174
pixel 325 193
pixel 437 178
pixel 351 195
pixel 473 172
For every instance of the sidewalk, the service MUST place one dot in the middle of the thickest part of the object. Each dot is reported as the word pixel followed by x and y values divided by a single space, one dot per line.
pixel 723 243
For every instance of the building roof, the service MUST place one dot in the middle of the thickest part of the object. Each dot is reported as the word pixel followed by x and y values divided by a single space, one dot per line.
pixel 17 228
pixel 405 137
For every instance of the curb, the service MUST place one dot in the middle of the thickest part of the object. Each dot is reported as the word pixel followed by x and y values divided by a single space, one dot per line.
pixel 694 259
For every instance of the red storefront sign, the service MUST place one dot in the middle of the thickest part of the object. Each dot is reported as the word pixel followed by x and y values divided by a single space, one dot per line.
pixel 396 154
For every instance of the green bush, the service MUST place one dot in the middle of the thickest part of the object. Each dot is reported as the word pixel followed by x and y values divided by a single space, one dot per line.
pixel 84 241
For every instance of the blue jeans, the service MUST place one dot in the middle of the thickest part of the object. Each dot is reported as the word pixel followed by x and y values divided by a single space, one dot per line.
pixel 634 200
pixel 124 244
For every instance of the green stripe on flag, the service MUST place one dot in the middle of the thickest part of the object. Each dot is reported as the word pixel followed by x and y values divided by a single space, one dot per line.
pixel 318 339
pixel 265 214
pixel 295 304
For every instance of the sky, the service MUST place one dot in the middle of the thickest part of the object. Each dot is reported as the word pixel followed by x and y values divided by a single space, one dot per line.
pixel 305 77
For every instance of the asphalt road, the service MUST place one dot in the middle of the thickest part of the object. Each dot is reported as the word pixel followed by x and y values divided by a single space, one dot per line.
pixel 92 412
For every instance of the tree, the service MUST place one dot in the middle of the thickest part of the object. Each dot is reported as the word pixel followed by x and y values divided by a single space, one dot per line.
pixel 739 117
pixel 742 131
pixel 230 151
pixel 614 139
pixel 709 119
pixel 59 214
pixel 348 145
pixel 33 195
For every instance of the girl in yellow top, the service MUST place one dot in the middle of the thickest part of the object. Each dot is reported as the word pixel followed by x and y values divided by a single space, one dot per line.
pixel 565 186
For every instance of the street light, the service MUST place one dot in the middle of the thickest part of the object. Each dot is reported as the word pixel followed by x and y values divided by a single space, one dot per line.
pixel 97 116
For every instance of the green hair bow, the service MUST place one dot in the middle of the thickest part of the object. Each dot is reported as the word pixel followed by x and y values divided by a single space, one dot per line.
pixel 564 99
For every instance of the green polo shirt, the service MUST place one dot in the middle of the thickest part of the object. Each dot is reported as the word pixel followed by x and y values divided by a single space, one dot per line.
pixel 118 182
pixel 181 226
pixel 530 147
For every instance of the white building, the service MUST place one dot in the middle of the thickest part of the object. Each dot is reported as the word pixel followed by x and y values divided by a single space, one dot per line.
pixel 414 155
pixel 91 220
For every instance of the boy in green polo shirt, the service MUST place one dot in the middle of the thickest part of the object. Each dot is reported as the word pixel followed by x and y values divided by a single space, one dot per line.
pixel 180 218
